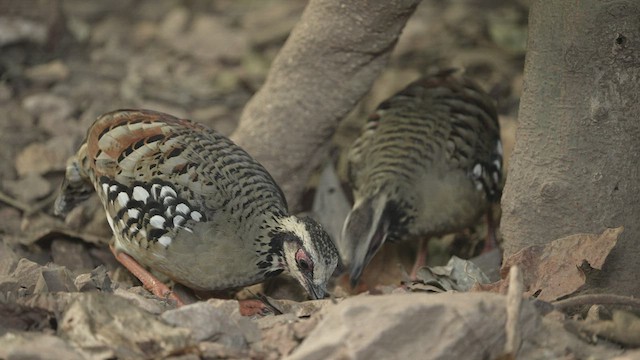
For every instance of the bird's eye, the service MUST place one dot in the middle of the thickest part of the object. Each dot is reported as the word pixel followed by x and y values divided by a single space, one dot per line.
pixel 304 263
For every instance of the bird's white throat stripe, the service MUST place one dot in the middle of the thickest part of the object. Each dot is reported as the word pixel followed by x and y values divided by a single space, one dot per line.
pixel 295 226
pixel 153 210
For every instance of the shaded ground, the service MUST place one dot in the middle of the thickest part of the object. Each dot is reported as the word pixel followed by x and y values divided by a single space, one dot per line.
pixel 200 60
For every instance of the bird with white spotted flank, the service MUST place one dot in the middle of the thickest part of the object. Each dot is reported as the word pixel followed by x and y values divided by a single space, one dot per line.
pixel 428 163
pixel 187 202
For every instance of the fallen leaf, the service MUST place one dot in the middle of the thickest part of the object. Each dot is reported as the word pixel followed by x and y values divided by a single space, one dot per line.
pixel 103 325
pixel 28 188
pixel 41 158
pixel 458 275
pixel 554 270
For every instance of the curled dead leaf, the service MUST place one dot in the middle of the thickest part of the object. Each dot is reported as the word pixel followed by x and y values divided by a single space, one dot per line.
pixel 555 270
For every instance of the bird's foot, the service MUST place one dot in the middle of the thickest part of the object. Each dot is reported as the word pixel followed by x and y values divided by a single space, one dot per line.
pixel 421 259
pixel 251 307
pixel 491 241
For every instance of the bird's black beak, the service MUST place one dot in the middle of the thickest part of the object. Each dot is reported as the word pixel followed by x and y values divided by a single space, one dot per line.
pixel 354 275
pixel 316 291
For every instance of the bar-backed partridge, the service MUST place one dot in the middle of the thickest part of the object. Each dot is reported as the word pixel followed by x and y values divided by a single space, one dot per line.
pixel 427 163
pixel 187 202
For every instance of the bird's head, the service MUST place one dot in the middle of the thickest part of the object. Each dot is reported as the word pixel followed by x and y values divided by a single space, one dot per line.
pixel 364 232
pixel 310 254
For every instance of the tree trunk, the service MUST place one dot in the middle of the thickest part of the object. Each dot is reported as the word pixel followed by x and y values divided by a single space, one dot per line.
pixel 329 62
pixel 575 166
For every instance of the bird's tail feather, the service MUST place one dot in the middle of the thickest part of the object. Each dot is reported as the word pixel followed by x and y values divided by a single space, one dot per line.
pixel 76 186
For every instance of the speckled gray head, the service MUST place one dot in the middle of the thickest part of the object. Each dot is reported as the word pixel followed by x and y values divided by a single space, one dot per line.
pixel 312 257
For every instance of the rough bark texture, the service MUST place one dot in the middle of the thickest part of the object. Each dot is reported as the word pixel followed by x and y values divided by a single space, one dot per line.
pixel 329 62
pixel 575 167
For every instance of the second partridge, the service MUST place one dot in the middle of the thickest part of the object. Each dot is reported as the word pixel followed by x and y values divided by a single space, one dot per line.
pixel 428 162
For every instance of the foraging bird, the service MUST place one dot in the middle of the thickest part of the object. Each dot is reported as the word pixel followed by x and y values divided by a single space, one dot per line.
pixel 189 203
pixel 428 163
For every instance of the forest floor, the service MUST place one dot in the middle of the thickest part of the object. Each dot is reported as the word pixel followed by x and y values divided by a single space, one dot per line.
pixel 63 63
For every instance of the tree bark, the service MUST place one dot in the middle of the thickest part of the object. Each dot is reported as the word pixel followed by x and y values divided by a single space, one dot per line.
pixel 575 166
pixel 327 65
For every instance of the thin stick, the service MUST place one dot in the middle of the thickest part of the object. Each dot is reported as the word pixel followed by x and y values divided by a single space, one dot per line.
pixel 24 207
pixel 60 231
pixel 38 206
pixel 266 301
pixel 514 302
pixel 592 299
pixel 14 203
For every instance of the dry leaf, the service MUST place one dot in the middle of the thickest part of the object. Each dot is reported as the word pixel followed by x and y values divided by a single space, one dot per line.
pixel 553 270
pixel 458 275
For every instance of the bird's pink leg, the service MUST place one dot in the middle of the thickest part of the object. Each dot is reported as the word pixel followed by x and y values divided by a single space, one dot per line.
pixel 159 289
pixel 251 307
pixel 150 282
pixel 421 257
pixel 490 242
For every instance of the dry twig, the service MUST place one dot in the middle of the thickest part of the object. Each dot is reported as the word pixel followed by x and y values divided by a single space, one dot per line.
pixel 514 303
pixel 593 299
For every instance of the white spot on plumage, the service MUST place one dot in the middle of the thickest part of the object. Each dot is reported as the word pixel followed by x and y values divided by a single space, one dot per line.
pixel 196 216
pixel 478 185
pixel 182 208
pixel 155 190
pixel 164 240
pixel 123 199
pixel 178 220
pixel 178 223
pixel 497 163
pixel 167 191
pixel 140 194
pixel 113 188
pixel 477 170
pixel 105 188
pixel 499 147
pixel 496 177
pixel 133 213
pixel 157 221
